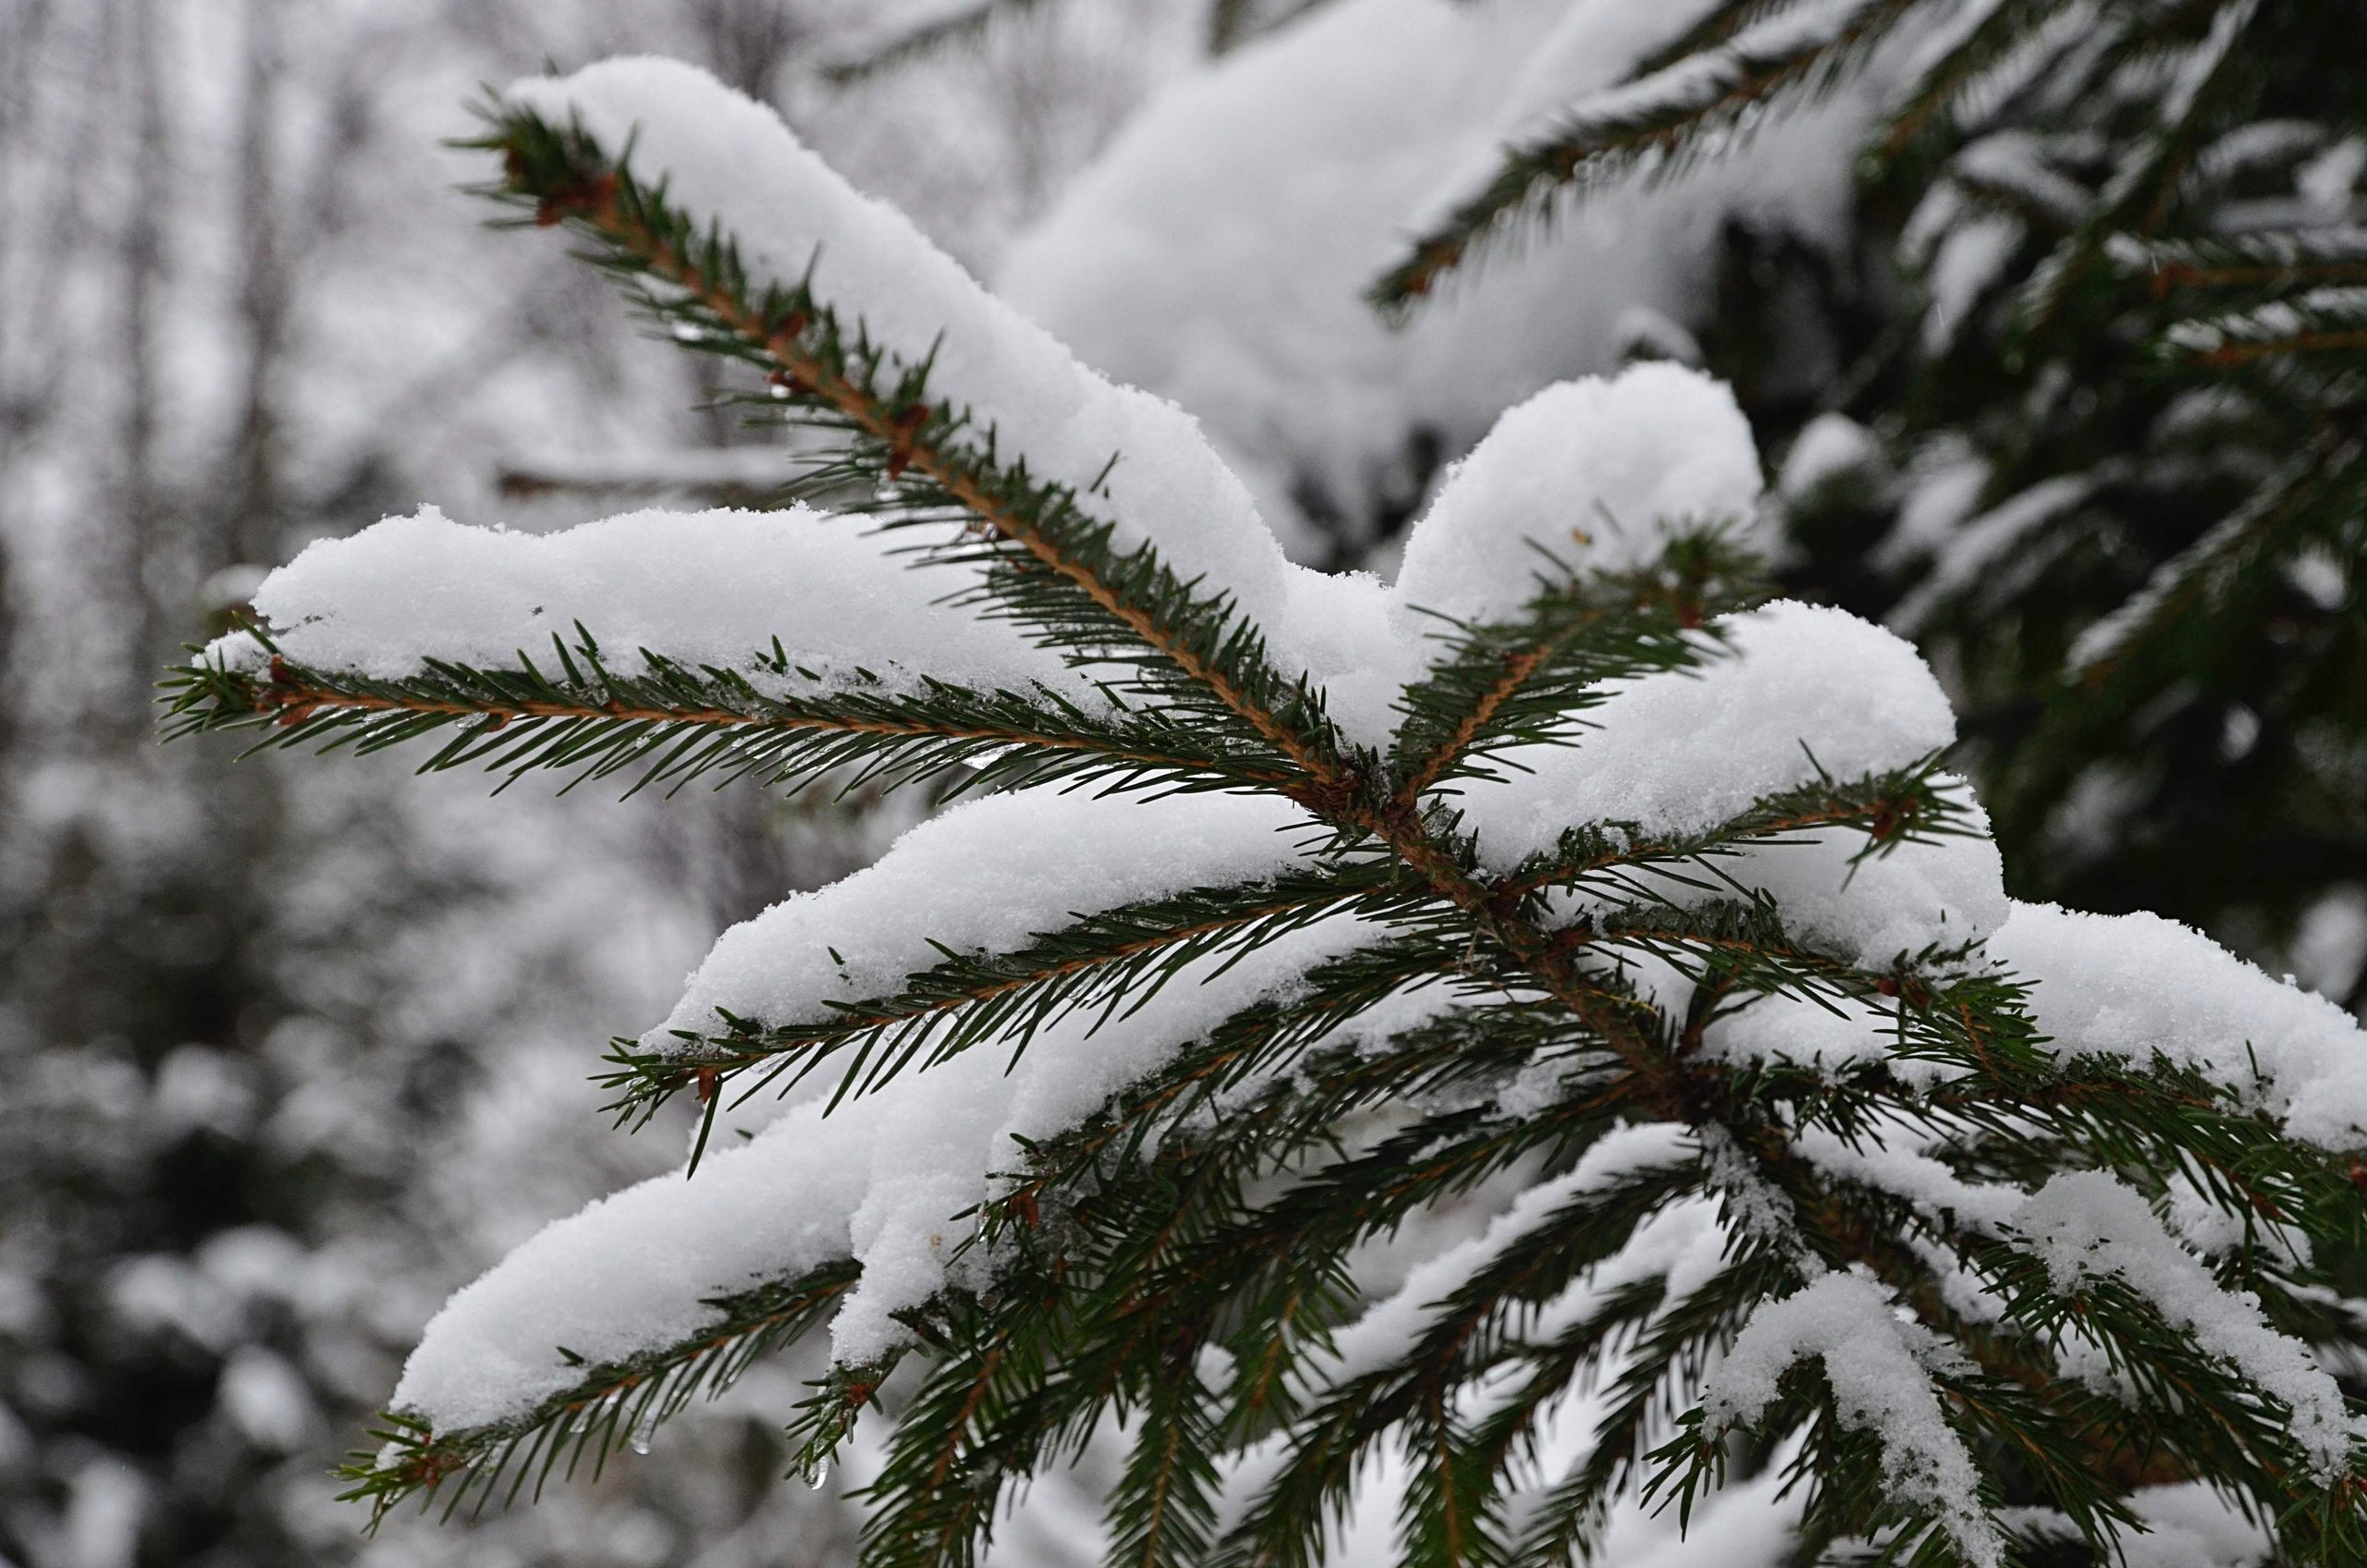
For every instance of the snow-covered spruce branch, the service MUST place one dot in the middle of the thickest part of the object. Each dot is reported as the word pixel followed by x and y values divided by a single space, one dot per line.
pixel 610 1405
pixel 678 724
pixel 1921 801
pixel 1114 959
pixel 2212 81
pixel 1655 124
pixel 1668 918
pixel 2312 494
pixel 1110 961
pixel 2318 321
pixel 1052 563
pixel 1987 60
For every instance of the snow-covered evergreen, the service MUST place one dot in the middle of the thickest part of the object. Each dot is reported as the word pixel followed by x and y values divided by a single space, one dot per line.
pixel 1299 906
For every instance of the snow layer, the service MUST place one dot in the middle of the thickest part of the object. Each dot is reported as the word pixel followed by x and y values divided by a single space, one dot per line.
pixel 712 588
pixel 1901 1165
pixel 881 1179
pixel 1875 1362
pixel 1678 753
pixel 1385 1334
pixel 1593 473
pixel 2134 984
pixel 1025 862
pixel 1219 251
pixel 2085 1225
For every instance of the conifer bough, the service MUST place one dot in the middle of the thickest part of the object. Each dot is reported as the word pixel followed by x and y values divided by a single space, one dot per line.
pixel 1835 1196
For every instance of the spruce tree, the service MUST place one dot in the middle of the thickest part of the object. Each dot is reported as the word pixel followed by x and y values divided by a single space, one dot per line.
pixel 2100 447
pixel 1568 874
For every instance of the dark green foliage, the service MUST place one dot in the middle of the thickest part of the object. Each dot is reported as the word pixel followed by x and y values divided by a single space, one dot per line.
pixel 1183 1259
pixel 2151 608
pixel 614 1403
pixel 678 724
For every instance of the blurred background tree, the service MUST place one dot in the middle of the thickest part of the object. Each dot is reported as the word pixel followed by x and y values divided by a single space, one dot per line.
pixel 282 1068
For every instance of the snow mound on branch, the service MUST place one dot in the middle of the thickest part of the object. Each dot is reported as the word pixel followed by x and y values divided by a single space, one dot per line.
pixel 1877 1366
pixel 1219 249
pixel 1591 473
pixel 1800 687
pixel 1797 688
pixel 2130 985
pixel 1026 862
pixel 712 588
pixel 2085 1225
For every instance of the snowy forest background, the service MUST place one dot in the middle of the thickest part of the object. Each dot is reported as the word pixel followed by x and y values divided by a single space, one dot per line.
pixel 280 1067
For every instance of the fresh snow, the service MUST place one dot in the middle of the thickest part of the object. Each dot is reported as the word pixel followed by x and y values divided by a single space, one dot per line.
pixel 1588 473
pixel 2132 985
pixel 1878 1366
pixel 1902 1166
pixel 711 588
pixel 1803 687
pixel 1030 861
pixel 2085 1225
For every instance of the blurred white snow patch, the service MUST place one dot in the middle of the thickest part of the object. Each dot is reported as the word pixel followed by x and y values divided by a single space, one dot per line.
pixel 1973 546
pixel 1219 251
pixel 160 1290
pixel 105 1503
pixel 2189 1525
pixel 1590 473
pixel 267 1399
pixel 1943 490
pixel 199 1087
pixel 1828 446
pixel 2331 946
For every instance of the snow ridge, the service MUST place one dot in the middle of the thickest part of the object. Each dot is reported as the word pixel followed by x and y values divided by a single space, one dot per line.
pixel 2085 1225
pixel 702 589
pixel 1879 1365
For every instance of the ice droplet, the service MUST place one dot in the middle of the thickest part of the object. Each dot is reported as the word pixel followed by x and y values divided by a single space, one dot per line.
pixel 639 1441
pixel 816 1475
